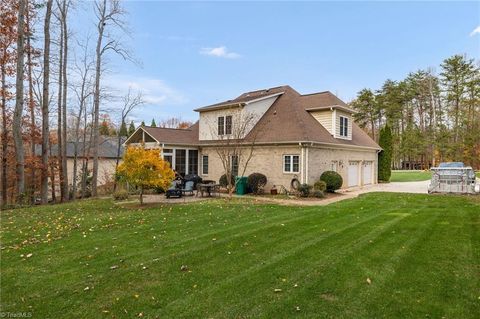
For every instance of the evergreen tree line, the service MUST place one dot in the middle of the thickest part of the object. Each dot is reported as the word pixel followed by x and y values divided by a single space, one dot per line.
pixel 433 117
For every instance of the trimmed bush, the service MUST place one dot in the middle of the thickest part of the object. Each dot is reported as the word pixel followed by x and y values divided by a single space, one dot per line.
pixel 320 186
pixel 385 156
pixel 304 190
pixel 223 180
pixel 318 194
pixel 333 180
pixel 120 195
pixel 256 182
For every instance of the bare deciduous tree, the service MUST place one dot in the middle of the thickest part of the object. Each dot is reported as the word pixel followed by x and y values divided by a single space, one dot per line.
pixel 130 102
pixel 62 16
pixel 236 146
pixel 45 102
pixel 109 15
pixel 17 116
pixel 83 90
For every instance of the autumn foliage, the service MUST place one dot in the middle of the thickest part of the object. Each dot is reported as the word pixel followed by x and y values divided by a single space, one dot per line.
pixel 145 169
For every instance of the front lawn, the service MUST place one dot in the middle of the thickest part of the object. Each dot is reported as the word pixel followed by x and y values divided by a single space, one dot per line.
pixel 380 255
pixel 410 176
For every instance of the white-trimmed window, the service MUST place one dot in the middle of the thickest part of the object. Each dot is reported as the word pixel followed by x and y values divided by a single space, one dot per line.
pixel 225 124
pixel 291 163
pixel 205 164
pixel 228 124
pixel 343 126
pixel 235 162
pixel 221 125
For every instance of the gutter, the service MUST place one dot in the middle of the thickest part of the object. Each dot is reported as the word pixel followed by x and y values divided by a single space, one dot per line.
pixel 312 143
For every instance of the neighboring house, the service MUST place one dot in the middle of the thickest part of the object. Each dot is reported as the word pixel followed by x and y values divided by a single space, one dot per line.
pixel 295 135
pixel 107 157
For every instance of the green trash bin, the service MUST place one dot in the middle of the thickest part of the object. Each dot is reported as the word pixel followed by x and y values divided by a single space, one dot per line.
pixel 241 185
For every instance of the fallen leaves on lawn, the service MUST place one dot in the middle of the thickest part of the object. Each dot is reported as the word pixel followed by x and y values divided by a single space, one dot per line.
pixel 114 267
pixel 277 290
pixel 184 268
pixel 369 281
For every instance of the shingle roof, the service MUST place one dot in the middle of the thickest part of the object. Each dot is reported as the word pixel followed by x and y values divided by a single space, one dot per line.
pixel 107 148
pixel 288 120
pixel 245 97
pixel 174 136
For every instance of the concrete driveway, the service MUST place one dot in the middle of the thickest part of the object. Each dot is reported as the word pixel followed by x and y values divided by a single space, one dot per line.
pixel 396 187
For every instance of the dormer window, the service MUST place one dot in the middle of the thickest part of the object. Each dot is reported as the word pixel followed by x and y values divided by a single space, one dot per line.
pixel 225 125
pixel 343 126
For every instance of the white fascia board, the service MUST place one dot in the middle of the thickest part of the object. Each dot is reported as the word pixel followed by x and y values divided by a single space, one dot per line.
pixel 264 98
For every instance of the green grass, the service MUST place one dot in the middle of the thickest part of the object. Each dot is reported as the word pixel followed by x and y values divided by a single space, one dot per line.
pixel 410 176
pixel 421 253
pixel 414 176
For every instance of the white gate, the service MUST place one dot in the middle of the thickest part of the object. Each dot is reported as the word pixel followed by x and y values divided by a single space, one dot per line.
pixel 367 173
pixel 352 174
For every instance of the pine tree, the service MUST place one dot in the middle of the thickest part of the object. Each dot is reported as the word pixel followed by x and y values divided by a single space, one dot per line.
pixel 153 123
pixel 123 129
pixel 131 128
pixel 385 156
pixel 142 124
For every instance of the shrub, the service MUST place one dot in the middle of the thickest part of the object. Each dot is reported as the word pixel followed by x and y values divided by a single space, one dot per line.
pixel 304 190
pixel 320 186
pixel 385 156
pixel 256 182
pixel 120 195
pixel 223 180
pixel 333 180
pixel 318 194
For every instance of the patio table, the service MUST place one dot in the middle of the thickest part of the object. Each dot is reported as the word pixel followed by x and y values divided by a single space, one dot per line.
pixel 207 188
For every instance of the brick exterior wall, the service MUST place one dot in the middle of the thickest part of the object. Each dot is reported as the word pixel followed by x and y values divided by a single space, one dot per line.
pixel 268 160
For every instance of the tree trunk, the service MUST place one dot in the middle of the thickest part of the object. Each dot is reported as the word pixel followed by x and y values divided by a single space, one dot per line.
pixel 141 195
pixel 45 98
pixel 65 190
pixel 4 140
pixel 96 104
pixel 117 161
pixel 31 105
pixel 52 175
pixel 17 116
pixel 59 118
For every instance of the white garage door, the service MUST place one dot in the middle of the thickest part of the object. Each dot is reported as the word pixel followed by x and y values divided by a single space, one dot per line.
pixel 352 174
pixel 367 173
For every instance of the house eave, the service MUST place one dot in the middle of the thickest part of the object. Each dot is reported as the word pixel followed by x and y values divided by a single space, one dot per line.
pixel 331 108
pixel 304 143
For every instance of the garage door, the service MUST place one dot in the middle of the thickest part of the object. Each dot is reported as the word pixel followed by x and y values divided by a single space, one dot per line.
pixel 367 173
pixel 352 174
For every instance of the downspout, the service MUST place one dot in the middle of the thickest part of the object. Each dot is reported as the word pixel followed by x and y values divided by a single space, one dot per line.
pixel 306 166
pixel 375 173
pixel 302 162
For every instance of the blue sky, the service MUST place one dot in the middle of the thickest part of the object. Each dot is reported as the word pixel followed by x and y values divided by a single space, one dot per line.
pixel 198 53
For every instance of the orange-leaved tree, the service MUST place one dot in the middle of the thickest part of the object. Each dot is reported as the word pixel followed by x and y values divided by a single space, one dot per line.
pixel 145 169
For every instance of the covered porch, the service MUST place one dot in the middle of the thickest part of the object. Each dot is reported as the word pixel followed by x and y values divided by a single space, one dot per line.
pixel 183 157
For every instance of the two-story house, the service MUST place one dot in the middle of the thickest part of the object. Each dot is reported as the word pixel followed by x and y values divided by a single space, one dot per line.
pixel 294 135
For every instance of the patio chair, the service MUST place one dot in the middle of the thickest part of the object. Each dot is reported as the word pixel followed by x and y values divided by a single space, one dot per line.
pixel 174 190
pixel 188 188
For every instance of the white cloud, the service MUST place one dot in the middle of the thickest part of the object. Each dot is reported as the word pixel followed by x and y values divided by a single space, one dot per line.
pixel 475 31
pixel 155 91
pixel 220 52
